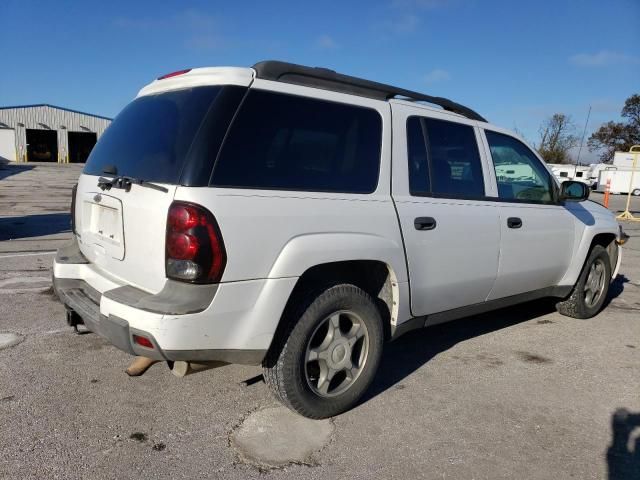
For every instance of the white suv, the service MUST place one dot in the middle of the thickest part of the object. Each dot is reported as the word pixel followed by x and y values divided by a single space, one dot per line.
pixel 298 218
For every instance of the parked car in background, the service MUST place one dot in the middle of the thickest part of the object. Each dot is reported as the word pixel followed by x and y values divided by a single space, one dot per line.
pixel 41 153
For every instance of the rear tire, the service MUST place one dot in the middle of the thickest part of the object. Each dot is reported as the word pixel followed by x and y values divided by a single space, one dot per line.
pixel 636 192
pixel 327 356
pixel 590 291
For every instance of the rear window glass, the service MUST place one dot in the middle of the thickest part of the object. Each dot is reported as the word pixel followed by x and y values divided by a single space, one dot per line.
pixel 443 159
pixel 288 142
pixel 151 137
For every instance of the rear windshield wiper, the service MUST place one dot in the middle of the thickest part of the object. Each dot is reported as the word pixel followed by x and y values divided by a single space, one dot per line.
pixel 124 182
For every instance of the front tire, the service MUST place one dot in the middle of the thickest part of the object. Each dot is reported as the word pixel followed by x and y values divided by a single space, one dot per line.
pixel 328 354
pixel 590 291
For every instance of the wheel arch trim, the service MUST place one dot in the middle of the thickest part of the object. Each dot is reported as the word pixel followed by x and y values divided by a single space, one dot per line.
pixel 604 237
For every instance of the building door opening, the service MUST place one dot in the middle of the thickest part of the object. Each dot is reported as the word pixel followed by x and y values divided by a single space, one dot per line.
pixel 42 145
pixel 80 146
pixel 7 145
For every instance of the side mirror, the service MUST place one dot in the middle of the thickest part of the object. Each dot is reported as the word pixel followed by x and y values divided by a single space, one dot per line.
pixel 572 191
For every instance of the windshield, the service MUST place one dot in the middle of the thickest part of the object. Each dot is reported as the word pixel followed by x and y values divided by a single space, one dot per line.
pixel 151 137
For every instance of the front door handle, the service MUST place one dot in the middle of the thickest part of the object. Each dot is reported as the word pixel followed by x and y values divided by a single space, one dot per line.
pixel 514 222
pixel 424 223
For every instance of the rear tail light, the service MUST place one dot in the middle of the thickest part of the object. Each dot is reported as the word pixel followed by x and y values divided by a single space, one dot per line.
pixel 194 249
pixel 143 341
pixel 74 192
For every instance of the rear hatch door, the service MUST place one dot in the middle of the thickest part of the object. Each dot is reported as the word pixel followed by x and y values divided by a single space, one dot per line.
pixel 160 140
pixel 122 233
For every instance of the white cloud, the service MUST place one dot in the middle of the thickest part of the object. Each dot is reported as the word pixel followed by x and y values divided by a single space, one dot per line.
pixel 606 106
pixel 437 75
pixel 326 42
pixel 204 42
pixel 198 28
pixel 196 20
pixel 603 58
pixel 424 4
pixel 138 23
pixel 402 24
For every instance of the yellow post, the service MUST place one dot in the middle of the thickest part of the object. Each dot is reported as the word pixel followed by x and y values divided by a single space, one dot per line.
pixel 627 215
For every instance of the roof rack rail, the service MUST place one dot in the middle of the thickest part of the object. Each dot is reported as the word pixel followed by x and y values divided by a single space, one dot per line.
pixel 330 80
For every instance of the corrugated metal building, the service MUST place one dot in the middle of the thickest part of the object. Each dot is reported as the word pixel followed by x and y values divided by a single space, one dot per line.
pixel 46 133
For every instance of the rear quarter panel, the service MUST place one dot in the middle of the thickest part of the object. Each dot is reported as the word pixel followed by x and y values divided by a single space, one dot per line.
pixel 282 234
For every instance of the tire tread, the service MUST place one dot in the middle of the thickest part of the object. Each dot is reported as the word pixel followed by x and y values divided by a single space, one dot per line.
pixel 573 306
pixel 275 364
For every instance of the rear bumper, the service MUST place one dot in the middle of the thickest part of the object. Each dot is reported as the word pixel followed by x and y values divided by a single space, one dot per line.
pixel 232 322
pixel 77 295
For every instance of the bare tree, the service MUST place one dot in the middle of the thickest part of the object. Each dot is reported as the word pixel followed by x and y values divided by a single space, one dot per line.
pixel 618 136
pixel 519 132
pixel 557 137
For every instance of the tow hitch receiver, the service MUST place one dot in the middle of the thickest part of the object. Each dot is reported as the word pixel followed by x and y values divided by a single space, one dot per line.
pixel 73 320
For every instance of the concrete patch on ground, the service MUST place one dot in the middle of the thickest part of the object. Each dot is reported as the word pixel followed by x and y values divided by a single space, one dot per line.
pixel 8 339
pixel 275 436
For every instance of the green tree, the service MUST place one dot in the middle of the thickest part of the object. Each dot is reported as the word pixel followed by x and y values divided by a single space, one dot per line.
pixel 614 137
pixel 557 137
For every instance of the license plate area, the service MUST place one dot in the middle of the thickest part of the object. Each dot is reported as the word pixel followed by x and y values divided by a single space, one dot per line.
pixel 105 223
pixel 102 226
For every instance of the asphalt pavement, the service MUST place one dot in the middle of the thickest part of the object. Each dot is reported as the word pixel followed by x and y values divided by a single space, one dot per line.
pixel 518 393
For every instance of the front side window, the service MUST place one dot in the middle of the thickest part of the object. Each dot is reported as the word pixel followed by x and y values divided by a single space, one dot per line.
pixel 443 159
pixel 519 173
pixel 287 142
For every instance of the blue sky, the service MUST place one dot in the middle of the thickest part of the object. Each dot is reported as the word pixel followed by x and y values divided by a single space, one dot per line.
pixel 514 62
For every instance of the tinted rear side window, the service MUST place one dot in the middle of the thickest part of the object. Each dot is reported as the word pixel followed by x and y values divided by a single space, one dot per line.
pixel 419 178
pixel 151 137
pixel 443 159
pixel 287 142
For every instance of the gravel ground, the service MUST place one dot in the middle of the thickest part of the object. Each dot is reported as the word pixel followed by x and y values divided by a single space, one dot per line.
pixel 518 393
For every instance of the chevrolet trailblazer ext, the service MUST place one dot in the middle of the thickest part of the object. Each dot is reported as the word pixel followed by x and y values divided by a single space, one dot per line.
pixel 298 218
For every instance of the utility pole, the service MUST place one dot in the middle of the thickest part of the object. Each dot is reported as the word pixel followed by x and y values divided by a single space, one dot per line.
pixel 584 132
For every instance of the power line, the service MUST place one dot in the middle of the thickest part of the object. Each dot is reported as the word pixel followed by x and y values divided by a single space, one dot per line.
pixel 584 132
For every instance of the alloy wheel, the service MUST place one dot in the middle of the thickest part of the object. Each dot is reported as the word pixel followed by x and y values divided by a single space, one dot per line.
pixel 336 353
pixel 595 283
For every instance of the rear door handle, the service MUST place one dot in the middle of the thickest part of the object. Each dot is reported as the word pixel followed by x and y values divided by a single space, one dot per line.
pixel 514 222
pixel 424 223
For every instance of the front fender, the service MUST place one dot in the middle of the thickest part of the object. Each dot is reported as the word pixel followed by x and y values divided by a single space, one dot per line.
pixel 604 222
